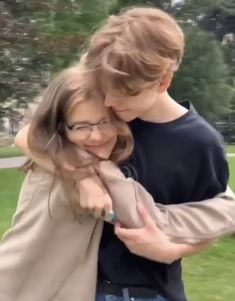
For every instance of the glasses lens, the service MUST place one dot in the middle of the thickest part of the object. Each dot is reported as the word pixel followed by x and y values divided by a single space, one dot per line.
pixel 83 133
pixel 105 127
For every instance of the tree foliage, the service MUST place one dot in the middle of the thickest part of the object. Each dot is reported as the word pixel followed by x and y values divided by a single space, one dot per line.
pixel 203 76
pixel 39 38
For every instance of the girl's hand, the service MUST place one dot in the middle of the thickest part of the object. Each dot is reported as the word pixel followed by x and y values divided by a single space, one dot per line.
pixel 94 198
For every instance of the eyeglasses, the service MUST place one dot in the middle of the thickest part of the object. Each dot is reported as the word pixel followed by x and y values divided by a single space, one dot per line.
pixel 84 131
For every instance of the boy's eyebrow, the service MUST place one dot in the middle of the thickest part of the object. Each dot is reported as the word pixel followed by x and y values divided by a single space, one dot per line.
pixel 87 122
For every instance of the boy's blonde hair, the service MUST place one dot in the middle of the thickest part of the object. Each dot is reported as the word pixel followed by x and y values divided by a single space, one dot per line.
pixel 136 49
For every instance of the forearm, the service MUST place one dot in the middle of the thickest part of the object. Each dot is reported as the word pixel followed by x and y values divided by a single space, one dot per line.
pixel 172 251
pixel 198 222
pixel 184 250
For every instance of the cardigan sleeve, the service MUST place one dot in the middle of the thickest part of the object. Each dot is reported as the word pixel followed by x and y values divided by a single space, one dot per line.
pixel 186 223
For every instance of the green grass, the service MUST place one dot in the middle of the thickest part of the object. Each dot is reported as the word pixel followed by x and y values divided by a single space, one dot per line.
pixel 208 277
pixel 9 151
pixel 230 148
pixel 231 161
pixel 10 181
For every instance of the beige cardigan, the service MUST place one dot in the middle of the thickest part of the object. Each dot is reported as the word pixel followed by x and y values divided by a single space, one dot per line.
pixel 45 258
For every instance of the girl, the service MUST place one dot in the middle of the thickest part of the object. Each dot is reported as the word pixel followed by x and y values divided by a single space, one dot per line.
pixel 50 252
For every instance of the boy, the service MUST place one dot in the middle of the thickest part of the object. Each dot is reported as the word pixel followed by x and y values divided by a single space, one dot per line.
pixel 178 157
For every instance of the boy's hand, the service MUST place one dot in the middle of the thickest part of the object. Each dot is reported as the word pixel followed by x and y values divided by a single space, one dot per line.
pixel 150 242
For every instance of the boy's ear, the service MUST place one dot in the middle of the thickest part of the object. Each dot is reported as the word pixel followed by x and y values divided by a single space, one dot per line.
pixel 165 82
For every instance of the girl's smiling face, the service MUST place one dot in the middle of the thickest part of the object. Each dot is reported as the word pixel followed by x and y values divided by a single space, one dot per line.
pixel 88 125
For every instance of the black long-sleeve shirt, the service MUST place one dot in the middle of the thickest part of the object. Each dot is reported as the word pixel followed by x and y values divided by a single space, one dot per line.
pixel 178 161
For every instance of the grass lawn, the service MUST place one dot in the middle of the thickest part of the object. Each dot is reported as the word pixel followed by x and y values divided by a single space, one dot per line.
pixel 208 277
pixel 9 151
pixel 10 180
pixel 230 148
pixel 231 161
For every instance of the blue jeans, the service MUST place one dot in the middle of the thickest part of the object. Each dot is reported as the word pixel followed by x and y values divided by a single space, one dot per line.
pixel 125 297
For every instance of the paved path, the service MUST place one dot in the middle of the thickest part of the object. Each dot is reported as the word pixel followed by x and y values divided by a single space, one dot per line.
pixel 18 161
pixel 12 162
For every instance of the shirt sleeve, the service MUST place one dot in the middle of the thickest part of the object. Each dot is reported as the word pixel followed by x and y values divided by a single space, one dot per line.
pixel 213 171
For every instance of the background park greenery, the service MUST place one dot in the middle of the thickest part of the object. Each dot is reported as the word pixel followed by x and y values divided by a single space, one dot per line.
pixel 38 38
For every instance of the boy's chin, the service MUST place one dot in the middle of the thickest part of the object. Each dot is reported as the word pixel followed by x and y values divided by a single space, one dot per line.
pixel 126 117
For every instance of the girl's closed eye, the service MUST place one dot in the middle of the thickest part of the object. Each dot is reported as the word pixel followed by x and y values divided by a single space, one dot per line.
pixel 77 127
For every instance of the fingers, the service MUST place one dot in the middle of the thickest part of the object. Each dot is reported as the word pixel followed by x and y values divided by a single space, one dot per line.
pixel 99 207
pixel 108 208
pixel 95 199
pixel 97 212
pixel 134 234
pixel 103 208
pixel 124 233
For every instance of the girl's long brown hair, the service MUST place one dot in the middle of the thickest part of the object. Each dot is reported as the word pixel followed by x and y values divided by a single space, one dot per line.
pixel 47 133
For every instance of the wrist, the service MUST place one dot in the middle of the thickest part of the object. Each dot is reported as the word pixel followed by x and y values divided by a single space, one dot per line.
pixel 184 250
pixel 178 251
pixel 175 252
pixel 170 253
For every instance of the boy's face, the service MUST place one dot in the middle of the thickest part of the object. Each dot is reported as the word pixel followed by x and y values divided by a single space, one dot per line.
pixel 128 107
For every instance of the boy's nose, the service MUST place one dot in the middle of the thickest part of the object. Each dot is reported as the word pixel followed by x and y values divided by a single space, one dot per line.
pixel 109 101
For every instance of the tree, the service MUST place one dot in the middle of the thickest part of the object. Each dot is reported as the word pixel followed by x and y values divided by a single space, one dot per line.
pixel 20 72
pixel 217 16
pixel 71 26
pixel 39 38
pixel 166 5
pixel 203 77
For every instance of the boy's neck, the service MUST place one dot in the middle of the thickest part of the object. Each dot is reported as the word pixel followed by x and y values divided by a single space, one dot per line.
pixel 165 109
